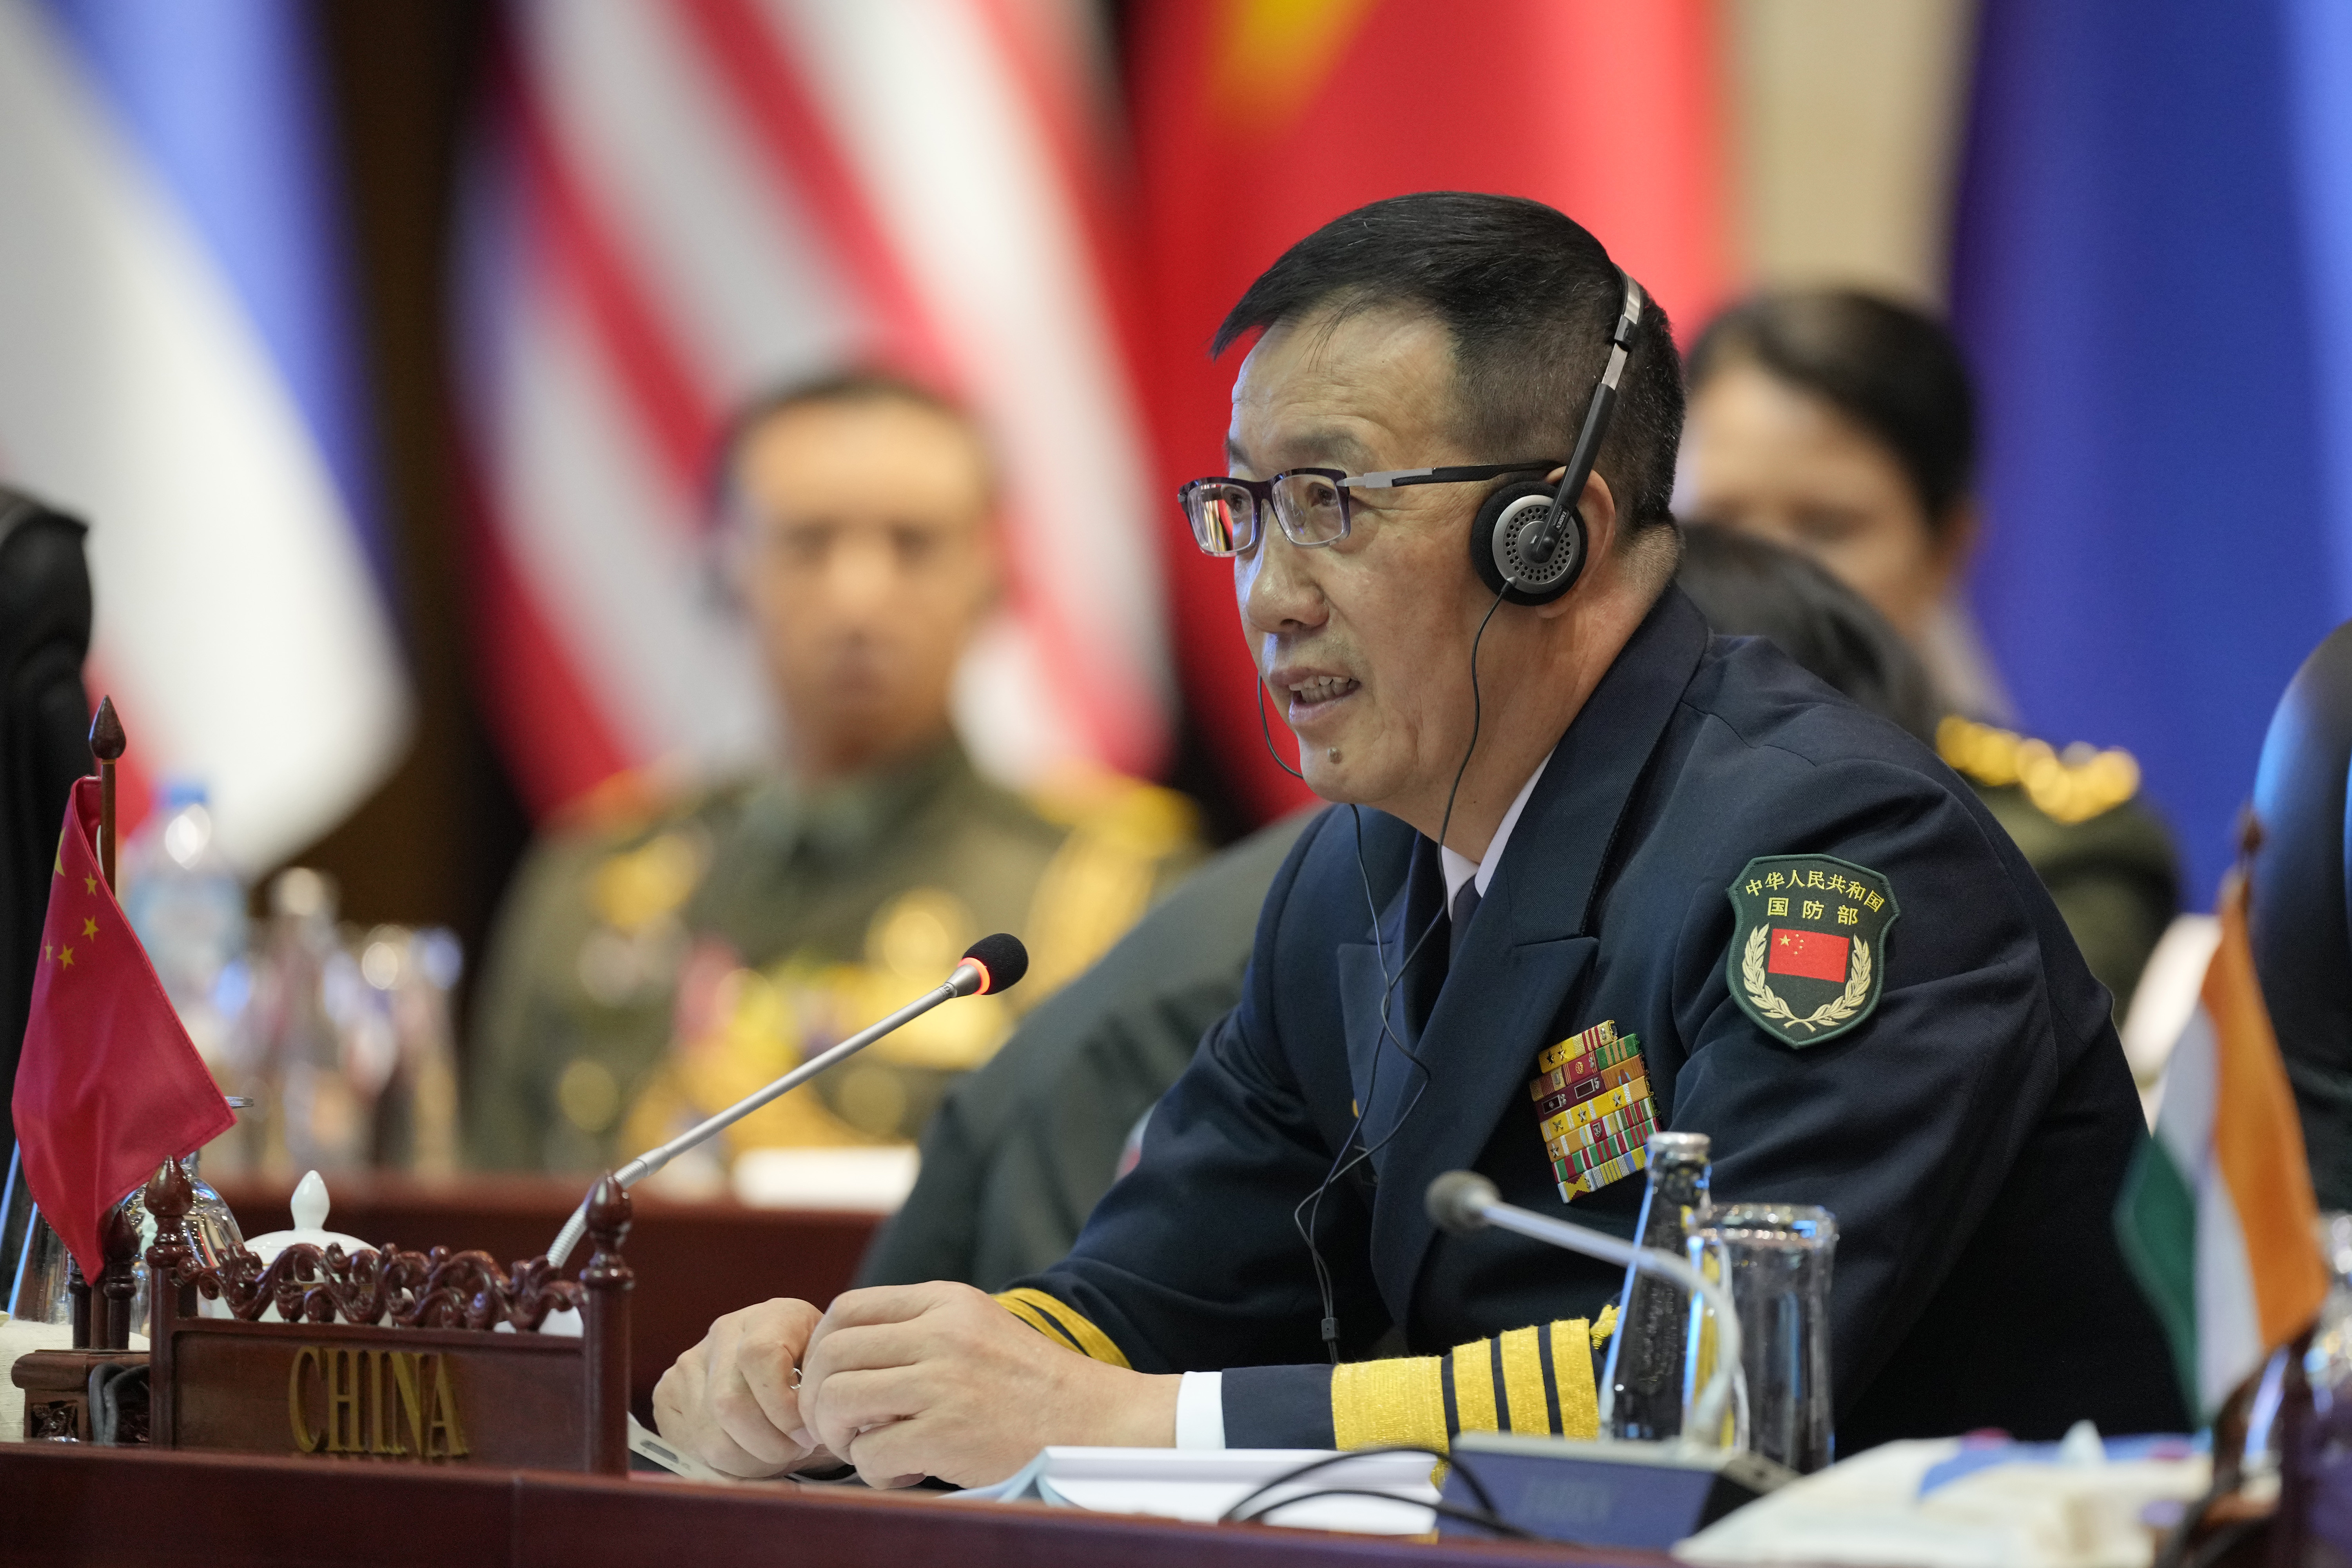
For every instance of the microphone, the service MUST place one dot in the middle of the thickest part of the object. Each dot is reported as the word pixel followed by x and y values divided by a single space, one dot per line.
pixel 993 964
pixel 1001 960
pixel 1460 1202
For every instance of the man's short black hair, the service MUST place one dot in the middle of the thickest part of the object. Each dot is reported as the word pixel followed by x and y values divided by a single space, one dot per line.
pixel 840 386
pixel 1893 370
pixel 1529 298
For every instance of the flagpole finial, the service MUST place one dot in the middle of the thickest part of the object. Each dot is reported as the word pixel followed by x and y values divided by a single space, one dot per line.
pixel 107 742
pixel 107 739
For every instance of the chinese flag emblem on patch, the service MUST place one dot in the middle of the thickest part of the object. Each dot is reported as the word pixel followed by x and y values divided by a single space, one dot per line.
pixel 1807 958
pixel 1815 955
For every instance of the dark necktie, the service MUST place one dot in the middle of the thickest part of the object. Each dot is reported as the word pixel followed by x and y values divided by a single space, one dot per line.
pixel 1465 904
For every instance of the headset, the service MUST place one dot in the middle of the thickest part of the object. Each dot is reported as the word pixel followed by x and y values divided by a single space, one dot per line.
pixel 1528 540
pixel 1528 543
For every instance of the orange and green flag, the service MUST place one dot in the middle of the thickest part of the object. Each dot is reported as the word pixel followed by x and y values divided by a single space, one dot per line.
pixel 2217 1217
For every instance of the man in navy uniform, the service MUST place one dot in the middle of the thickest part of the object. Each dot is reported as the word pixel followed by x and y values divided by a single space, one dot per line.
pixel 1681 885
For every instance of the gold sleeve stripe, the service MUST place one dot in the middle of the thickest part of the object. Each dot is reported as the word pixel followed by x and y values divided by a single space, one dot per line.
pixel 1405 1400
pixel 1401 1400
pixel 1010 1302
pixel 1522 1382
pixel 1474 1387
pixel 1051 1318
pixel 1571 1375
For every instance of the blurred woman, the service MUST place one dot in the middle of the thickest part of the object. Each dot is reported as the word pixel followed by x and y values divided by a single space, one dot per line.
pixel 1843 426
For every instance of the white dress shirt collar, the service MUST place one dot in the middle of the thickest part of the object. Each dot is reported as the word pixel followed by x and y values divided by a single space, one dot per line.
pixel 1458 867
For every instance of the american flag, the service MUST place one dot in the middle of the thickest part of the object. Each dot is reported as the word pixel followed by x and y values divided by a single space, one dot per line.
pixel 677 204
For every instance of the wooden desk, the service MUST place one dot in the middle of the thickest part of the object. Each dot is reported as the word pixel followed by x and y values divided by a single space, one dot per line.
pixel 693 1260
pixel 63 1505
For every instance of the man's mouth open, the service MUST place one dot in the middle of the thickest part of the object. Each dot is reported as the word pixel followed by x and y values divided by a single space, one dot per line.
pixel 1314 696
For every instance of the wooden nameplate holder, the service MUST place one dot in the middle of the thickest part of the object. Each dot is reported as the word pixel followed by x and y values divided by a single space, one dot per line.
pixel 389 1357
pixel 56 1381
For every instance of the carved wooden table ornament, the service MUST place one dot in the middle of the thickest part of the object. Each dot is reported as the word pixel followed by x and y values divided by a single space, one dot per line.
pixel 389 1356
pixel 58 1383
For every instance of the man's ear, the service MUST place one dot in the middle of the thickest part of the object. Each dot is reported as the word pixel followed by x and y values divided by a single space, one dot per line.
pixel 1598 508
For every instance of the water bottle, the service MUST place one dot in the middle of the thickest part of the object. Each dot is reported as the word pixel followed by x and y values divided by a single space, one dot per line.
pixel 319 1074
pixel 401 1036
pixel 1642 1384
pixel 186 903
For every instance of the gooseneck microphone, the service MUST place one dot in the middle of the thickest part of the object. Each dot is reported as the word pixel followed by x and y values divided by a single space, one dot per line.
pixel 1460 1202
pixel 990 966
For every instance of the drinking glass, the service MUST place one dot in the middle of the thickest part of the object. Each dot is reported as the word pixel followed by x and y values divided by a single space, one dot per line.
pixel 1776 1257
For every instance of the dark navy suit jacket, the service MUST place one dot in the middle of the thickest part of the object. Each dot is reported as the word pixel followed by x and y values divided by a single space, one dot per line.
pixel 1970 1136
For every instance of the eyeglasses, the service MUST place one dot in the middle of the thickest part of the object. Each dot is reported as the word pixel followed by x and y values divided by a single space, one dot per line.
pixel 1310 505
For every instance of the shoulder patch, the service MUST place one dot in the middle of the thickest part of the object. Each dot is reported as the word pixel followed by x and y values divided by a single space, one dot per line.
pixel 1808 956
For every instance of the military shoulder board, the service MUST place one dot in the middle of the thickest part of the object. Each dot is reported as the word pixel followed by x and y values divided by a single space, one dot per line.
pixel 1592 1107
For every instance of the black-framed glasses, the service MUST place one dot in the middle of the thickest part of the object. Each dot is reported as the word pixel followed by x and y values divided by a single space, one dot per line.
pixel 1310 505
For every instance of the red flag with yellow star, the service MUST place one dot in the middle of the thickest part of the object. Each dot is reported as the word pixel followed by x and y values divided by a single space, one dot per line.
pixel 110 1085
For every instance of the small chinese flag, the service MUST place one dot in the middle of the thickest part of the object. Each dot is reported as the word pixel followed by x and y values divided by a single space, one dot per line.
pixel 1814 954
pixel 108 1087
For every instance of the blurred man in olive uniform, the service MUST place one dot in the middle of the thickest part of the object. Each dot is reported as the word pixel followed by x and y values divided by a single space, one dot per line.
pixel 1843 425
pixel 1022 1149
pixel 655 963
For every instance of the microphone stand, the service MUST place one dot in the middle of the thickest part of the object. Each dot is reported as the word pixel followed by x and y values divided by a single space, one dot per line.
pixel 967 980
pixel 1727 1383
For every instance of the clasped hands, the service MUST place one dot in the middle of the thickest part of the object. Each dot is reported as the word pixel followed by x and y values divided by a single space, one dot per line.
pixel 903 1381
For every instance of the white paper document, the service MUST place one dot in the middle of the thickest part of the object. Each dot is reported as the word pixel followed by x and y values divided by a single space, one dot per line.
pixel 1201 1484
pixel 854 1181
pixel 1887 1509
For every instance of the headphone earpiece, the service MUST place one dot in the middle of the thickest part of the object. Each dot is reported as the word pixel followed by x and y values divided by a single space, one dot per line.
pixel 1500 539
pixel 1515 545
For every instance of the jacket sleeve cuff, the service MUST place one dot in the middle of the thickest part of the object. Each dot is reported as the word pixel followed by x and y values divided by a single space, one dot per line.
pixel 1535 1379
pixel 1279 1407
pixel 1528 1380
pixel 1200 1410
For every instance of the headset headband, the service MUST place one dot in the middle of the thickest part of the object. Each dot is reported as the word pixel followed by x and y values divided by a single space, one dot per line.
pixel 1587 450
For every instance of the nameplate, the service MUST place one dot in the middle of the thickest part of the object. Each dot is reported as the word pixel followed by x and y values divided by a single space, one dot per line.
pixel 372 1396
pixel 413 1396
pixel 389 1356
